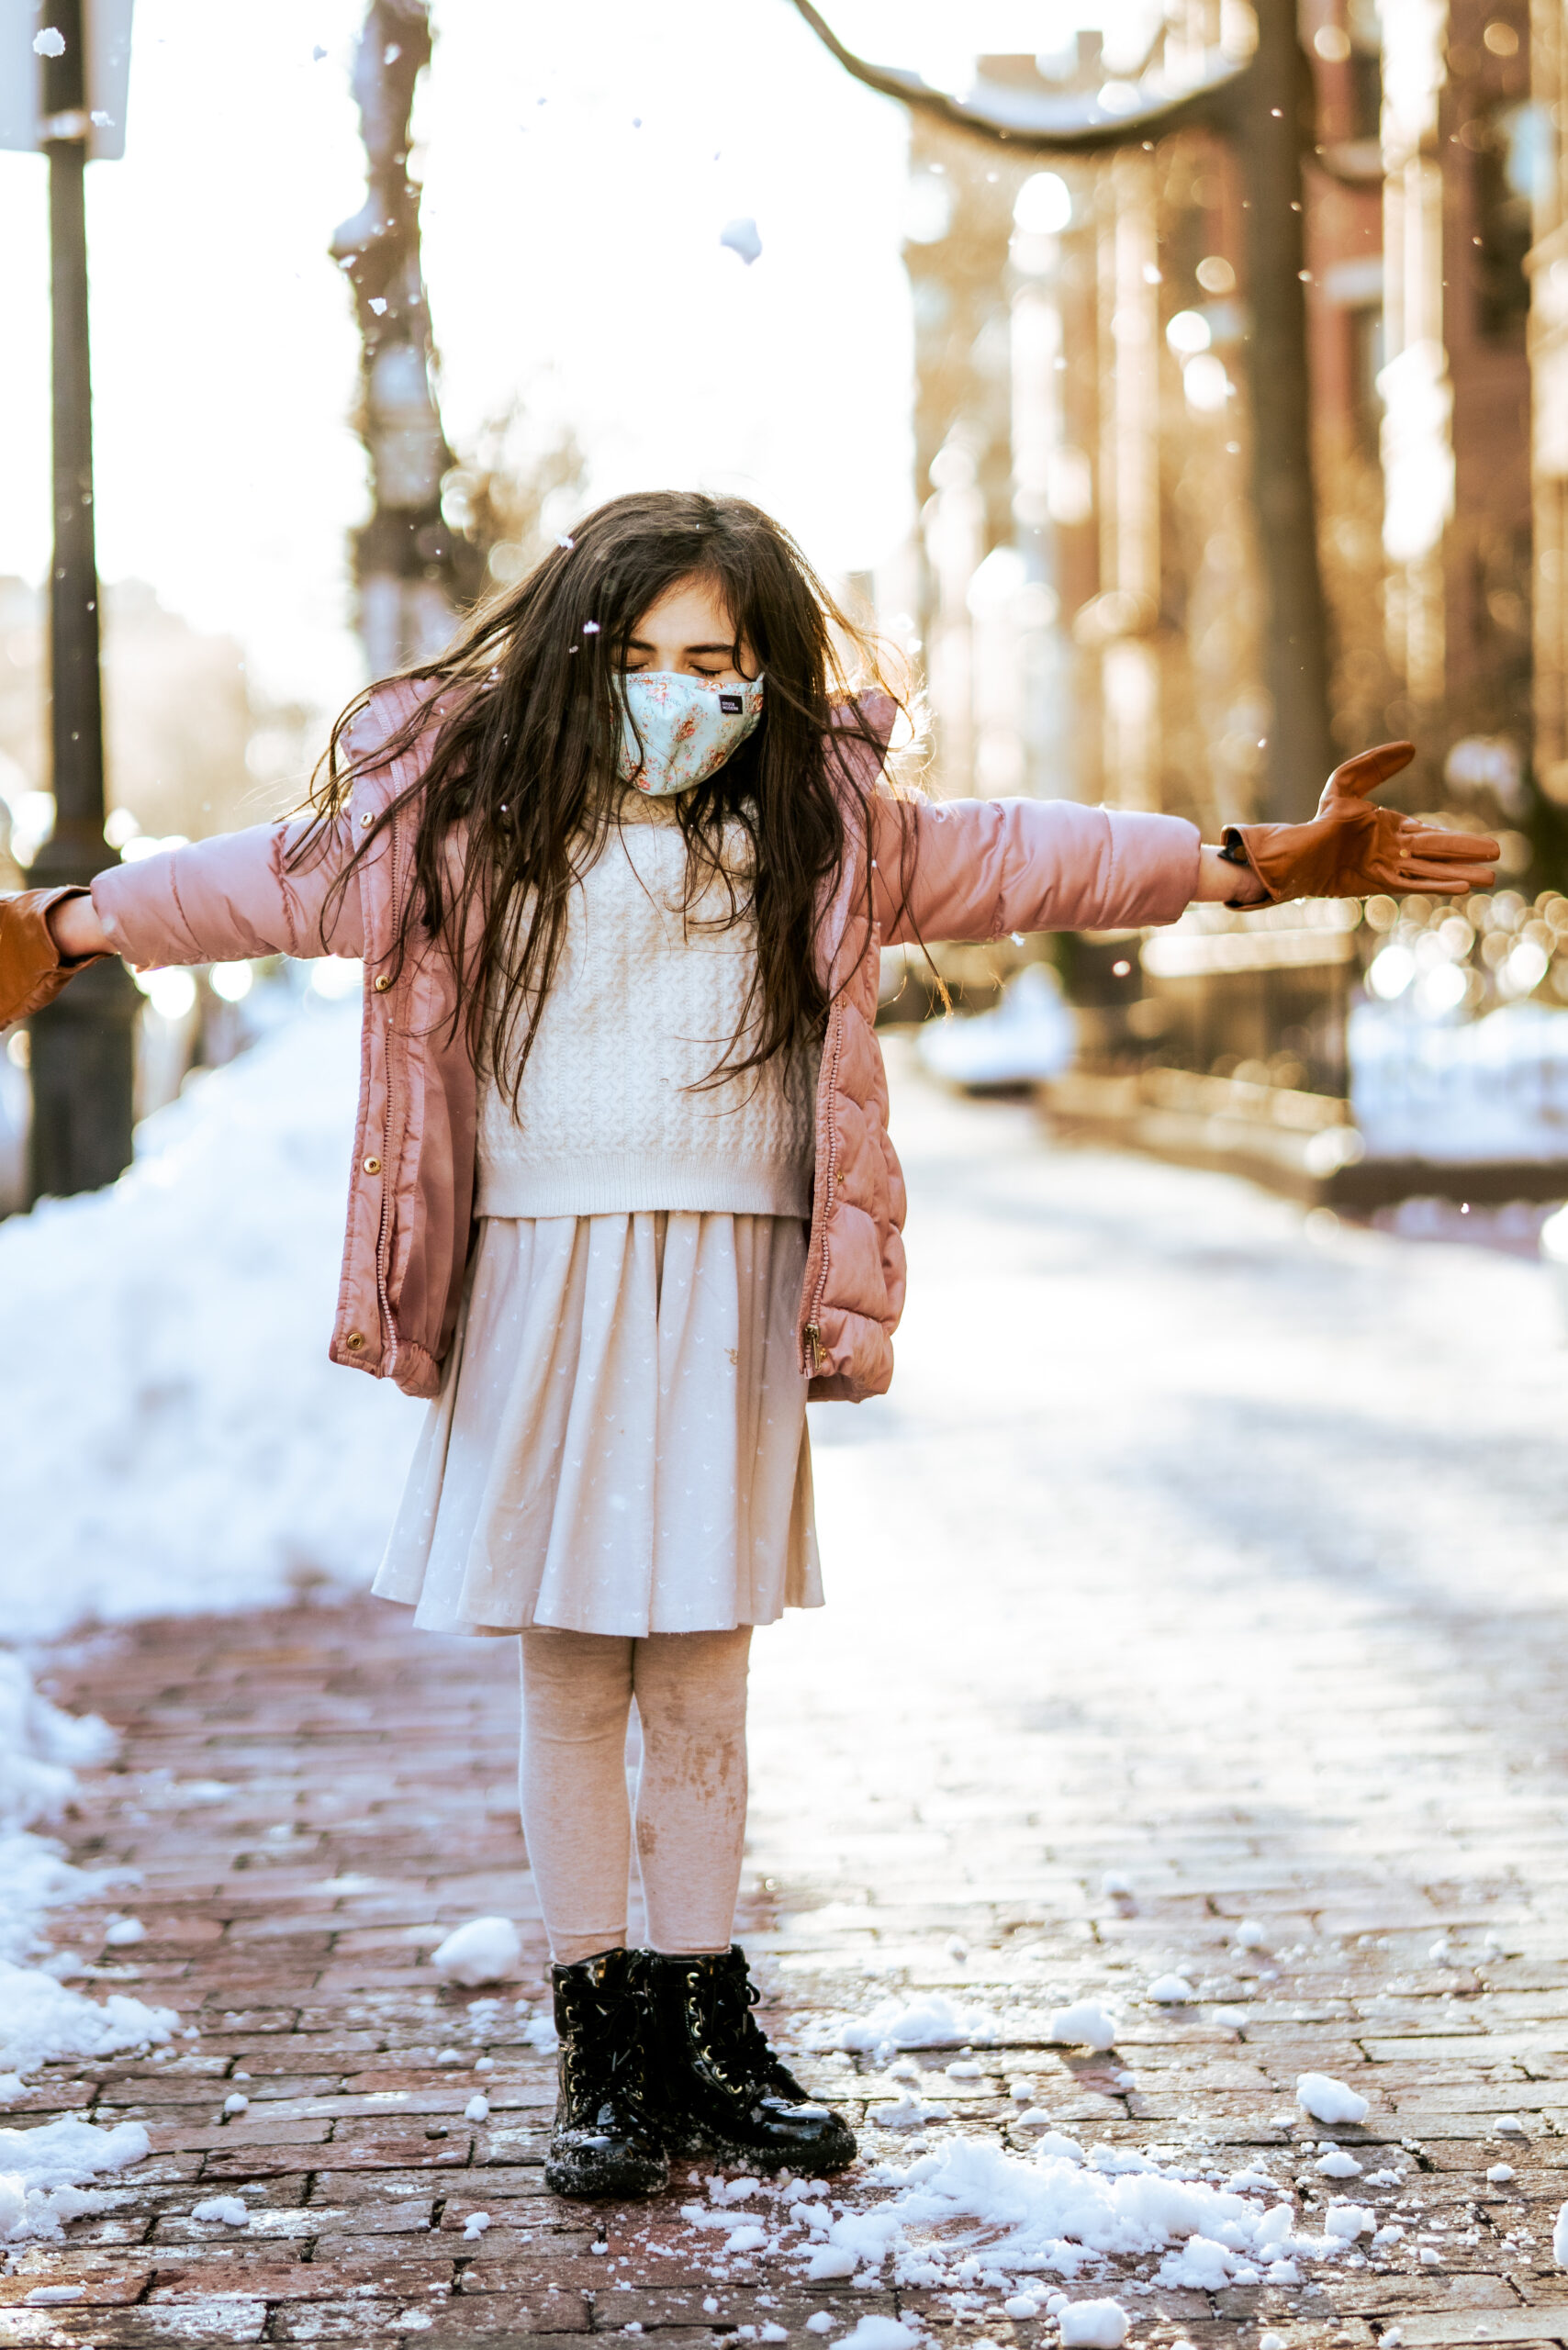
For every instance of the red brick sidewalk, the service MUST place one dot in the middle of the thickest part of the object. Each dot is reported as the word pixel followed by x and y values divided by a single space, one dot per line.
pixel 1188 1548
pixel 315 1798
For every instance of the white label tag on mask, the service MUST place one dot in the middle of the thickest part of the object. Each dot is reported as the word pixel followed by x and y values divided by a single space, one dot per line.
pixel 677 730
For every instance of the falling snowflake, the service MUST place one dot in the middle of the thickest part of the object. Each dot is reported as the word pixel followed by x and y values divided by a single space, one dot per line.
pixel 742 238
pixel 51 42
pixel 591 628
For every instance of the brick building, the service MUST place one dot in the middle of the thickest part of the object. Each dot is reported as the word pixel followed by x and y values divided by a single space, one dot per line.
pixel 1091 593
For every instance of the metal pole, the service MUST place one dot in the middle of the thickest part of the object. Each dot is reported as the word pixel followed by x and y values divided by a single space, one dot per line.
pixel 82 1047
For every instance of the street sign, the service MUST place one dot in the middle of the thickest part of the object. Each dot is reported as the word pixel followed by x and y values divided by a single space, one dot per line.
pixel 106 71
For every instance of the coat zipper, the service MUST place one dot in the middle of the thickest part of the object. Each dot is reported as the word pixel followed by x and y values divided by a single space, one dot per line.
pixel 812 1332
pixel 388 1330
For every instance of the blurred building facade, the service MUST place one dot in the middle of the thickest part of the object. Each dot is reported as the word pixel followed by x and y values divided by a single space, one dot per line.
pixel 1089 588
pixel 1087 584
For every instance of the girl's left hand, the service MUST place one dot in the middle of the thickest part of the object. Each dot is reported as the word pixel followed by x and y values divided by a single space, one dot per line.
pixel 1351 850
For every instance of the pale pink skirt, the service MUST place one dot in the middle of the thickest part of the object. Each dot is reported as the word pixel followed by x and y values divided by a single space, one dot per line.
pixel 620 1443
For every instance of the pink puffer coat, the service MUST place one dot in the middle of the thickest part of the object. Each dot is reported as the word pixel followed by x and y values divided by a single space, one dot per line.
pixel 980 868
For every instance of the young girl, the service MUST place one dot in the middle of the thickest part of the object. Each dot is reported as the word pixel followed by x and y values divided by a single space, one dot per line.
pixel 619 867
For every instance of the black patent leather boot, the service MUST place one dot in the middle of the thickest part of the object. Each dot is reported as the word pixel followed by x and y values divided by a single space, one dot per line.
pixel 718 2086
pixel 606 2141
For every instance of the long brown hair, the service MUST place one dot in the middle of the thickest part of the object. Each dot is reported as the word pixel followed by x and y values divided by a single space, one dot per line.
pixel 522 771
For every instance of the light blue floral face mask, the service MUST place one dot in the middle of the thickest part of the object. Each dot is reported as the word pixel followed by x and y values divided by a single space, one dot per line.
pixel 688 727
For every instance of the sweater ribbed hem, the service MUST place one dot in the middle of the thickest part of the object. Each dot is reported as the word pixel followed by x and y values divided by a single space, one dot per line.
pixel 631 1182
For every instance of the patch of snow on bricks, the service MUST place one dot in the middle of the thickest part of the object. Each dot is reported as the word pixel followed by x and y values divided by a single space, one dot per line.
pixel 1094 2325
pixel 1559 2238
pixel 42 2021
pixel 928 2020
pixel 1085 2024
pixel 1329 2101
pixel 42 2172
pixel 1063 2211
pixel 878 2333
pixel 229 2208
pixel 484 1950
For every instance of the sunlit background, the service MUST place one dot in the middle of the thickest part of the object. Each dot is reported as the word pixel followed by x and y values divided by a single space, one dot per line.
pixel 1006 400
pixel 578 169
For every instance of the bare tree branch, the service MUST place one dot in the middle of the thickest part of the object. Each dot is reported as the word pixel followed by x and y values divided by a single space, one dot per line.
pixel 1066 125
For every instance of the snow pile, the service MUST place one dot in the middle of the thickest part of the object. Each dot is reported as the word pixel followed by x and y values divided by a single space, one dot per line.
pixel 228 2208
pixel 1559 2238
pixel 875 2334
pixel 39 2170
pixel 1095 2325
pixel 42 2021
pixel 40 1746
pixel 928 2020
pixel 911 2113
pixel 1085 2024
pixel 1030 1035
pixel 971 2214
pixel 1327 2099
pixel 484 1950
pixel 177 1436
pixel 1489 1088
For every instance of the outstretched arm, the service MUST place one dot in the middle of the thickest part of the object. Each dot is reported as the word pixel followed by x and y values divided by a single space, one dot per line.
pixel 975 869
pixel 1351 850
pixel 215 901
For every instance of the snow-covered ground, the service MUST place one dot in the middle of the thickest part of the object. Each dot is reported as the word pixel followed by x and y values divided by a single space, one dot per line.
pixel 174 1439
pixel 42 2170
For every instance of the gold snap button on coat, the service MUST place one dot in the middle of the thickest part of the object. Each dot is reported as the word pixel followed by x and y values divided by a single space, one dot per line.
pixel 355 1341
pixel 367 822
pixel 372 1167
pixel 382 983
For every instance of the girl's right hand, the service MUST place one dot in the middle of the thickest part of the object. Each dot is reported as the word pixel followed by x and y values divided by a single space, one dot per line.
pixel 43 940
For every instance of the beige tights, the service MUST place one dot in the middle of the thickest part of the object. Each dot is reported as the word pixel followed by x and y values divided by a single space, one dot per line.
pixel 577 1689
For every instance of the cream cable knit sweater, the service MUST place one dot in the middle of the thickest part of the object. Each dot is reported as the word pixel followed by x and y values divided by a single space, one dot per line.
pixel 643 1007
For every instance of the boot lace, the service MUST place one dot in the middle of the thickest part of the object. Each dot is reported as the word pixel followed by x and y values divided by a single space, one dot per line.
pixel 600 2052
pixel 737 2040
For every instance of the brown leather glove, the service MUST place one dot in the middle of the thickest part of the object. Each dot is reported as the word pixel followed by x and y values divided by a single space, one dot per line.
pixel 1353 850
pixel 31 973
